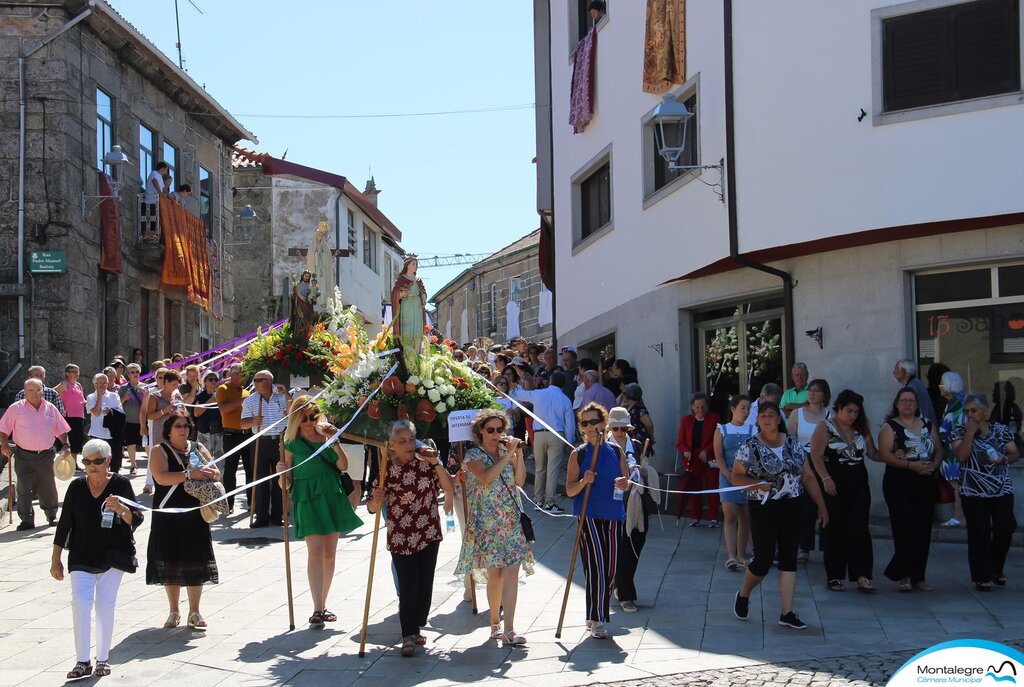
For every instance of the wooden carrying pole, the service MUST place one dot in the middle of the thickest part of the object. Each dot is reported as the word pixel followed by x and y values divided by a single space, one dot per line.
pixel 579 534
pixel 465 513
pixel 381 474
pixel 286 507
pixel 255 468
pixel 10 487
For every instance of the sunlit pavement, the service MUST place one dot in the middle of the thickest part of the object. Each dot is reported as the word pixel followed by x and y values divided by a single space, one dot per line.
pixel 683 633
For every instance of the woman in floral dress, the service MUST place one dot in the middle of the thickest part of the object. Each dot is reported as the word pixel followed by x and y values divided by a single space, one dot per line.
pixel 494 538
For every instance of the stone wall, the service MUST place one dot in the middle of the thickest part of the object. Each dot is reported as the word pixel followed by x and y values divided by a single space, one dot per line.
pixel 86 315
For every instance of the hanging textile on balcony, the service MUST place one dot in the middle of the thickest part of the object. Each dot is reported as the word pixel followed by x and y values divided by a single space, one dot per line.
pixel 186 263
pixel 665 45
pixel 111 255
pixel 581 92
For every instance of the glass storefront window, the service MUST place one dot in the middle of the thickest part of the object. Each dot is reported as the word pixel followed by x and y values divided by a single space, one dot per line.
pixel 984 343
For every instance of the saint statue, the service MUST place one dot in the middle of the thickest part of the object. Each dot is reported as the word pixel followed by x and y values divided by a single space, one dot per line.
pixel 408 312
pixel 302 298
pixel 320 262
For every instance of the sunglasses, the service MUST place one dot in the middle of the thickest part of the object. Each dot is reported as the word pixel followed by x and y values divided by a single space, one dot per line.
pixel 180 425
pixel 591 423
pixel 94 461
pixel 494 430
pixel 310 418
pixel 618 429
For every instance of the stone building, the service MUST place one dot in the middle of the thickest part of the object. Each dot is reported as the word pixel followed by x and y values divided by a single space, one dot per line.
pixel 289 201
pixel 500 297
pixel 91 82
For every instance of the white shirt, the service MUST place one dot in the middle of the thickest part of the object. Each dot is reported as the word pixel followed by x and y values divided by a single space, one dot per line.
pixel 273 410
pixel 552 406
pixel 152 195
pixel 110 400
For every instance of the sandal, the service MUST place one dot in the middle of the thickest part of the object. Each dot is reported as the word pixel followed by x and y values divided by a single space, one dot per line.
pixel 923 587
pixel 421 640
pixel 102 669
pixel 1001 580
pixel 904 585
pixel 195 621
pixel 408 646
pixel 81 669
pixel 317 618
pixel 328 616
pixel 983 586
pixel 496 630
pixel 732 564
pixel 836 586
pixel 173 620
pixel 864 585
pixel 510 638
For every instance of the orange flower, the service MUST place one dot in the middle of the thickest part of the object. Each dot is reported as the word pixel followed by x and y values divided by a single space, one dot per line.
pixel 426 329
pixel 433 339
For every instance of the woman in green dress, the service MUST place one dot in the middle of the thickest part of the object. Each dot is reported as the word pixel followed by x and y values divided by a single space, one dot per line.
pixel 321 507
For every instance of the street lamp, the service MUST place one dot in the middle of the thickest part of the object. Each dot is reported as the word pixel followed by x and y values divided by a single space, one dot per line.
pixel 247 221
pixel 116 158
pixel 670 120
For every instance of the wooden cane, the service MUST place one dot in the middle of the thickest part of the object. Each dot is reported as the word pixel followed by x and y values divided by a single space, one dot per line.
pixel 286 506
pixel 643 451
pixel 255 469
pixel 10 487
pixel 381 473
pixel 465 513
pixel 579 534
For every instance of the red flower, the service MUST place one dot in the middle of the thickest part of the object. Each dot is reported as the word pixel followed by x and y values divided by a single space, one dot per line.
pixel 300 355
pixel 425 411
pixel 426 329
pixel 404 413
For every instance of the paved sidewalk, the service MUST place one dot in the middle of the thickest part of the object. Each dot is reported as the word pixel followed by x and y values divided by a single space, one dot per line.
pixel 685 623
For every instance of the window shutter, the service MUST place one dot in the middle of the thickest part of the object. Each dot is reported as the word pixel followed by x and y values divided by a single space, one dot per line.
pixel 916 71
pixel 986 37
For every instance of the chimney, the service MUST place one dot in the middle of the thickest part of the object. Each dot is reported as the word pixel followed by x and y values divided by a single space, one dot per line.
pixel 371 191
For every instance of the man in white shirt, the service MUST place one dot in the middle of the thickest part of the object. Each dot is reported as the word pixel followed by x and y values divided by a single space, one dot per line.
pixel 148 211
pixel 263 409
pixel 553 407
pixel 104 408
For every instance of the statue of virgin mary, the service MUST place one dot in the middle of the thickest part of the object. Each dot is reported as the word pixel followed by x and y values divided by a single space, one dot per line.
pixel 409 314
pixel 321 264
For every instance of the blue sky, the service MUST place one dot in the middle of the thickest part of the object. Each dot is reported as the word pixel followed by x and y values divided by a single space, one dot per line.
pixel 460 183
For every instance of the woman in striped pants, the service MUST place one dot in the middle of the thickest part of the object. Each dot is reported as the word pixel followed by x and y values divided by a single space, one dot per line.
pixel 602 526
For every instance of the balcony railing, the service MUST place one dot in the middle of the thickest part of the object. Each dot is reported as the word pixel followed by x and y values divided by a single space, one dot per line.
pixel 148 228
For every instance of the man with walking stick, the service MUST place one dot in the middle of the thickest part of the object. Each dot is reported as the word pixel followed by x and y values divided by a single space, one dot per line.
pixel 597 495
pixel 260 411
pixel 230 396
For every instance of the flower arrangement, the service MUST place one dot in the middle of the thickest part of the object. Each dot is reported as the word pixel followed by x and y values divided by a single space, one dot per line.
pixel 279 351
pixel 443 384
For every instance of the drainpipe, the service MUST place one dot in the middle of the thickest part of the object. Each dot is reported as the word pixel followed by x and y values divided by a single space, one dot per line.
pixel 788 350
pixel 22 102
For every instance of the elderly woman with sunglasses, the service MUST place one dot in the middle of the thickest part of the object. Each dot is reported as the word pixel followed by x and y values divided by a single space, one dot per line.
pixel 985 449
pixel 322 508
pixel 180 552
pixel 163 400
pixel 494 541
pixel 607 473
pixel 97 527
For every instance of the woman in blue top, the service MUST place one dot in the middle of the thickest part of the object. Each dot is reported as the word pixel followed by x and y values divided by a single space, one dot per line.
pixel 728 438
pixel 602 527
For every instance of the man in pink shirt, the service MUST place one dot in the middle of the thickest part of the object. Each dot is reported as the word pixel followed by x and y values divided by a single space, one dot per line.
pixel 33 423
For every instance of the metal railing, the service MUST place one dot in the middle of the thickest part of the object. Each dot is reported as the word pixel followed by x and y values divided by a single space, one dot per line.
pixel 148 226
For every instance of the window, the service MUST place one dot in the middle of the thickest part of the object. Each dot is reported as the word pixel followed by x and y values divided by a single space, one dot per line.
pixel 206 200
pixel 515 289
pixel 978 333
pixel 657 174
pixel 171 158
pixel 740 350
pixel 147 148
pixel 204 332
pixel 596 200
pixel 370 248
pixel 581 20
pixel 958 52
pixel 104 128
pixel 351 232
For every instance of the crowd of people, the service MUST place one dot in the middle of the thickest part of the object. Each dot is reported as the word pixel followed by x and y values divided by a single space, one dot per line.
pixel 776 468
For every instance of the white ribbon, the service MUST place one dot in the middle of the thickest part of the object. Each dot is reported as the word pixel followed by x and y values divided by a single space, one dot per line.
pixel 275 475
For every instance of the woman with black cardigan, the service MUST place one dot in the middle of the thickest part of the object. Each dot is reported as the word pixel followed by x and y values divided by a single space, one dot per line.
pixel 98 528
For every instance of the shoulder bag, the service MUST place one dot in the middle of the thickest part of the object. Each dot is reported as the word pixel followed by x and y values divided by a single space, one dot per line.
pixel 343 478
pixel 524 520
pixel 209 493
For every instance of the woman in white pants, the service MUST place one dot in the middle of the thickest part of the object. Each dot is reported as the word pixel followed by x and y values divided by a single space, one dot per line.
pixel 97 527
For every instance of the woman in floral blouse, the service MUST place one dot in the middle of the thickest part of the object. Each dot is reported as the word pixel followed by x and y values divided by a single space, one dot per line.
pixel 777 466
pixel 494 538
pixel 410 492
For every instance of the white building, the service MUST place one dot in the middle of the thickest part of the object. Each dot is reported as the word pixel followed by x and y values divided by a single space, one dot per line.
pixel 867 161
pixel 289 201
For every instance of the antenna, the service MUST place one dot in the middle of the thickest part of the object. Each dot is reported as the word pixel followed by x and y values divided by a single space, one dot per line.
pixel 177 24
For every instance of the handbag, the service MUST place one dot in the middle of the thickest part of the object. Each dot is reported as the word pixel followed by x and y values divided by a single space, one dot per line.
pixel 525 523
pixel 343 478
pixel 209 493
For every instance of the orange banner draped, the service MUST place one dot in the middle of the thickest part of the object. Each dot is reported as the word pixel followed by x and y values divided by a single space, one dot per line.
pixel 111 256
pixel 186 262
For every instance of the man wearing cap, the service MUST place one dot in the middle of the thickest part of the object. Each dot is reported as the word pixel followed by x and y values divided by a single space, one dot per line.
pixel 230 396
pixel 551 406
pixel 33 423
pixel 264 410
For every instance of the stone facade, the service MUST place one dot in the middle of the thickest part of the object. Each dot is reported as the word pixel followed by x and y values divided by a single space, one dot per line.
pixel 484 291
pixel 87 315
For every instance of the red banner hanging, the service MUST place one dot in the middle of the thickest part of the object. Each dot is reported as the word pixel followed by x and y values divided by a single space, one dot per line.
pixel 111 255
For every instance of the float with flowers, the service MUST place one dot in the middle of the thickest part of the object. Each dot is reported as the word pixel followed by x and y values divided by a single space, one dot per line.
pixel 286 355
pixel 440 385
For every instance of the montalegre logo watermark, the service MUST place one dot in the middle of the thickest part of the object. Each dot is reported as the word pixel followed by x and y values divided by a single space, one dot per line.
pixel 963 662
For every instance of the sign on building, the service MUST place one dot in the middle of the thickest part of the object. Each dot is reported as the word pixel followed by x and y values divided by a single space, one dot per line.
pixel 47 262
